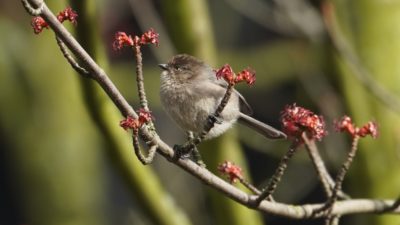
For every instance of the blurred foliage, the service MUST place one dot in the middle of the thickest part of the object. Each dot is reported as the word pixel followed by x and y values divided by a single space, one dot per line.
pixel 60 165
pixel 51 153
pixel 376 40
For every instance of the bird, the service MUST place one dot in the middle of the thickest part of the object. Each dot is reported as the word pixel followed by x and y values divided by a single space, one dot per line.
pixel 190 93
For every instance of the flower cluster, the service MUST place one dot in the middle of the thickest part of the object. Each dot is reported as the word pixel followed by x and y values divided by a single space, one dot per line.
pixel 149 37
pixel 346 125
pixel 38 23
pixel 226 72
pixel 296 120
pixel 122 39
pixel 247 75
pixel 232 171
pixel 67 14
pixel 134 124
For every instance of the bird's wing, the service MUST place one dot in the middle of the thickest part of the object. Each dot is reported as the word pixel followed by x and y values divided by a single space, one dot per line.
pixel 244 106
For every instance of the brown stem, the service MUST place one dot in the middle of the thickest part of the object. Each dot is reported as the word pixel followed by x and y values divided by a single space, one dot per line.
pixel 213 119
pixel 249 186
pixel 140 79
pixel 340 177
pixel 142 158
pixel 396 204
pixel 333 220
pixel 319 166
pixel 74 64
pixel 276 178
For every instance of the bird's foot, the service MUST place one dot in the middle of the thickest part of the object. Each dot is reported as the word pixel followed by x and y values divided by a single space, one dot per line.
pixel 186 151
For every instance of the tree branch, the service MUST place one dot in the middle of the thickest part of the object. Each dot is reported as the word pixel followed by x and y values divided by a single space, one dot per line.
pixel 74 64
pixel 319 165
pixel 276 177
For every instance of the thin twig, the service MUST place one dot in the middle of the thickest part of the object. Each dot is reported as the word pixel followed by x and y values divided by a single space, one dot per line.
pixel 191 145
pixel 340 177
pixel 75 65
pixel 211 120
pixel 195 151
pixel 319 165
pixel 396 204
pixel 142 158
pixel 249 186
pixel 31 10
pixel 276 178
pixel 354 206
pixel 140 79
pixel 333 220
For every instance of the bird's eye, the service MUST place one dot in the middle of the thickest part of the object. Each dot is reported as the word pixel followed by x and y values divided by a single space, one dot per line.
pixel 179 68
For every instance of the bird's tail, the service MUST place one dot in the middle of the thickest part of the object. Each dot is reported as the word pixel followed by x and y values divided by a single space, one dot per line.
pixel 260 127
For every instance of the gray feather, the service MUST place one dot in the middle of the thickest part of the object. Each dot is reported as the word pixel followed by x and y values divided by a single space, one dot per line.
pixel 260 127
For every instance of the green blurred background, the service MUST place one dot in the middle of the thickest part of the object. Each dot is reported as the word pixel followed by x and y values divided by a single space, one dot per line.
pixel 64 160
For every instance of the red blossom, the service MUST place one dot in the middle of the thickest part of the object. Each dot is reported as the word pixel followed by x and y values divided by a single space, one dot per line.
pixel 346 125
pixel 130 123
pixel 67 14
pixel 296 120
pixel 226 72
pixel 144 116
pixel 232 171
pixel 38 24
pixel 247 75
pixel 149 37
pixel 121 40
pixel 371 128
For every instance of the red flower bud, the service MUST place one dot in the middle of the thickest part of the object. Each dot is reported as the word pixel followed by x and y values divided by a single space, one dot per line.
pixel 247 75
pixel 121 40
pixel 38 24
pixel 67 14
pixel 226 72
pixel 129 123
pixel 149 37
pixel 346 125
pixel 296 120
pixel 144 116
pixel 232 171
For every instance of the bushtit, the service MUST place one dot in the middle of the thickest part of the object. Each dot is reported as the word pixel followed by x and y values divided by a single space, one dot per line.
pixel 190 93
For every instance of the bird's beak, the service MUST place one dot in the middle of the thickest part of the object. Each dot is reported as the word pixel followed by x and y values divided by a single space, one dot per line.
pixel 163 66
